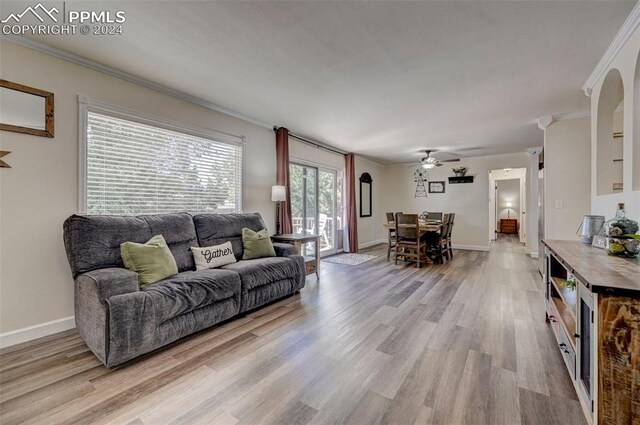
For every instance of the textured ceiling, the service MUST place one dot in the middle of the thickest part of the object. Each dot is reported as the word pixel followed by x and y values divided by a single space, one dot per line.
pixel 383 79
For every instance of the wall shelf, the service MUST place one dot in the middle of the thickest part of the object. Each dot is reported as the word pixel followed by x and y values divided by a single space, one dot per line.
pixel 463 179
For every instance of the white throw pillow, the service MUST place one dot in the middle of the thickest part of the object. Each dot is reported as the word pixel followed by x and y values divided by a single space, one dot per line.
pixel 213 256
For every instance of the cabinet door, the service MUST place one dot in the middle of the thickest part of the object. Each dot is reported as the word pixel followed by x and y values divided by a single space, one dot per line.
pixel 585 348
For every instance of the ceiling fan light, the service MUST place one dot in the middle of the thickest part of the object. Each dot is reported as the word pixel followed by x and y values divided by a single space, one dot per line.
pixel 428 165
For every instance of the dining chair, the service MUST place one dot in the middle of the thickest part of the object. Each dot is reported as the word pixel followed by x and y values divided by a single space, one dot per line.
pixel 391 245
pixel 441 246
pixel 408 238
pixel 438 246
pixel 434 215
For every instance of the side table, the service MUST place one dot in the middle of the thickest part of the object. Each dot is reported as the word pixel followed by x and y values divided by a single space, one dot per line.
pixel 311 263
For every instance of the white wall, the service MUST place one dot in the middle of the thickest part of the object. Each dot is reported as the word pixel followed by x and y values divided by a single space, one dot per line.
pixel 469 201
pixel 312 155
pixel 40 191
pixel 370 229
pixel 567 173
pixel 626 62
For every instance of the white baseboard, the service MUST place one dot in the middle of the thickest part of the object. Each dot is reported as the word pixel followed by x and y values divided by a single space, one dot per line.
pixel 533 254
pixel 471 247
pixel 372 243
pixel 37 331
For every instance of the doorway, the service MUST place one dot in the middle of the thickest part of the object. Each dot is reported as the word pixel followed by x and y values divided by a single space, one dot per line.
pixel 316 205
pixel 507 204
pixel 508 207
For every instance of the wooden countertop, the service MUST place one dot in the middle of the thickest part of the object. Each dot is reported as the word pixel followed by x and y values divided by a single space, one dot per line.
pixel 602 273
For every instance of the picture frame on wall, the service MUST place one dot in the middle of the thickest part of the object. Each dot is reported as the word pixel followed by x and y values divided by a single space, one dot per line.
pixel 436 187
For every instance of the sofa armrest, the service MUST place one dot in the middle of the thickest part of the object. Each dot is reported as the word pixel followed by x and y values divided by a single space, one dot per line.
pixel 109 282
pixel 284 249
pixel 301 275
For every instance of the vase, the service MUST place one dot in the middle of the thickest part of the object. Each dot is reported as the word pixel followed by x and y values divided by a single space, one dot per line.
pixel 460 174
pixel 619 231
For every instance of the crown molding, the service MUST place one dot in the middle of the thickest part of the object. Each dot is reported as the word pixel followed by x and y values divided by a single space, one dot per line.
pixel 53 51
pixel 629 26
pixel 572 115
pixel 371 161
pixel 546 121
pixel 36 45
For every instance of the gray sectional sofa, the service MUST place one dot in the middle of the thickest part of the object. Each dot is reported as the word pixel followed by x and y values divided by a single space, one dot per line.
pixel 120 320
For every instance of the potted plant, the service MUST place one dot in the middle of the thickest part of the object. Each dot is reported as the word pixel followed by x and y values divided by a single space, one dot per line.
pixel 460 171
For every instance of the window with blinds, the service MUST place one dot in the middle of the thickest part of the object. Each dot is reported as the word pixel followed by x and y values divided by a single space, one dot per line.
pixel 135 168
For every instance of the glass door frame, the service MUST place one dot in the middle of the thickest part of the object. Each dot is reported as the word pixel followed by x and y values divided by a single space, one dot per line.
pixel 334 172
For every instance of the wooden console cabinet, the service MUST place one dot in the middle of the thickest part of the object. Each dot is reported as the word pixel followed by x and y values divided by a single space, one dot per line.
pixel 509 225
pixel 597 327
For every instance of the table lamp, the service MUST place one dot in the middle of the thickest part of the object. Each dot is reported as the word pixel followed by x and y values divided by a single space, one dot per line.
pixel 508 208
pixel 278 194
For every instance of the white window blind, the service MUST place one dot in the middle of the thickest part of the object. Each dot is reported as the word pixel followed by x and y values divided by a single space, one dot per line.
pixel 135 168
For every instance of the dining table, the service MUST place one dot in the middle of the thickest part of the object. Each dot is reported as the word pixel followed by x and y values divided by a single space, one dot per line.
pixel 423 226
pixel 427 226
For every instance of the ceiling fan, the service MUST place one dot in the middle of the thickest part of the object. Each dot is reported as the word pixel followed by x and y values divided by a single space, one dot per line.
pixel 431 161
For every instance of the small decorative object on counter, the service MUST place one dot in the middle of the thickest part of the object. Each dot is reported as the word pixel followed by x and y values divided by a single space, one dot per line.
pixel 591 226
pixel 460 171
pixel 621 234
pixel 423 216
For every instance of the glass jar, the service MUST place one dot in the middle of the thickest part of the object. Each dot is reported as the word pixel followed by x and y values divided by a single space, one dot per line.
pixel 620 232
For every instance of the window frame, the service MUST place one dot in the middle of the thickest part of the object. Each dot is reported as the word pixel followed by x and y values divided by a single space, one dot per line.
pixel 86 105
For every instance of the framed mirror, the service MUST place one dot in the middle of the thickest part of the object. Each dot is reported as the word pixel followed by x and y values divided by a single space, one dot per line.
pixel 365 195
pixel 25 109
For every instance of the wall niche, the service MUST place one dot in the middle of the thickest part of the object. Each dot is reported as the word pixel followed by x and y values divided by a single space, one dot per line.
pixel 610 140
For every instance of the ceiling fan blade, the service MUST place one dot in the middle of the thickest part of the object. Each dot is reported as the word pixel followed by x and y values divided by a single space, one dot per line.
pixel 451 160
pixel 439 164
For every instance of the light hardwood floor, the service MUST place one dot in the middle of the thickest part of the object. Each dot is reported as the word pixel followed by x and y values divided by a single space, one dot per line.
pixel 464 342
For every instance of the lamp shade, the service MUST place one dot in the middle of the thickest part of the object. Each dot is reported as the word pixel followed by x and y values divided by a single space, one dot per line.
pixel 509 205
pixel 278 193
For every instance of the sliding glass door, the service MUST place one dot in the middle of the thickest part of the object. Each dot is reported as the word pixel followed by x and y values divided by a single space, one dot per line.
pixel 315 195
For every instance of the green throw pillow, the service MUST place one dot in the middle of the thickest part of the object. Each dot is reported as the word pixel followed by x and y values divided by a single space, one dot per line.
pixel 152 260
pixel 256 244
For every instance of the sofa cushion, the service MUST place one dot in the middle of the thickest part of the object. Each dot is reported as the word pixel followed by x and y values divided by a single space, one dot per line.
pixel 263 271
pixel 188 291
pixel 179 232
pixel 216 229
pixel 152 260
pixel 211 257
pixel 93 241
pixel 256 244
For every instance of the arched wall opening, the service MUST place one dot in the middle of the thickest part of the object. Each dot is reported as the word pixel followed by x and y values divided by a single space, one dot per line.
pixel 609 147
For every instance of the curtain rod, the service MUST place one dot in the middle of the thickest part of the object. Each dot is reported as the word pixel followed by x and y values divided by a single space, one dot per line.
pixel 312 143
